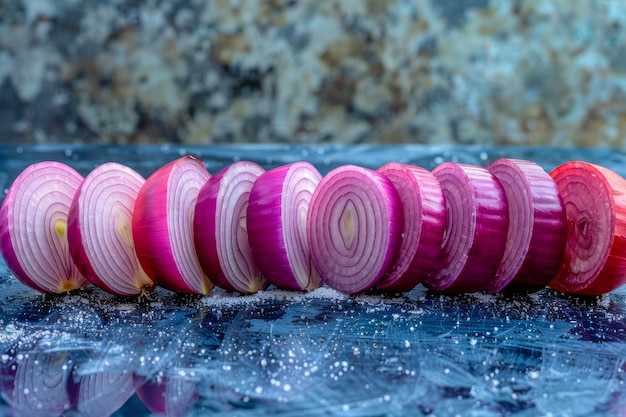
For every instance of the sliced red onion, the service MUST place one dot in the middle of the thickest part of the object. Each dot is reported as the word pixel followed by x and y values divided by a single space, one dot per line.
pixel 33 227
pixel 101 394
pixel 424 223
pixel 477 222
pixel 163 226
pixel 536 234
pixel 220 230
pixel 595 209
pixel 277 225
pixel 355 225
pixel 100 230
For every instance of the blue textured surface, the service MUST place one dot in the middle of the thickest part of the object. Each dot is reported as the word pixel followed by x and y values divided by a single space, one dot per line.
pixel 322 353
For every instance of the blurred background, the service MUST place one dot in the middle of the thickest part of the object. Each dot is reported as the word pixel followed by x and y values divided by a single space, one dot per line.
pixel 519 72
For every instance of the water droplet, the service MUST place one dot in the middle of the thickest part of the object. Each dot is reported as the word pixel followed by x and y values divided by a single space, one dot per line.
pixel 68 152
pixel 484 156
pixel 438 160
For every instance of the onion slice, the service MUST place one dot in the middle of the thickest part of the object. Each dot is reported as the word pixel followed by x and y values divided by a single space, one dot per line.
pixel 476 228
pixel 537 233
pixel 220 229
pixel 595 209
pixel 100 230
pixel 424 223
pixel 277 225
pixel 163 226
pixel 355 225
pixel 33 227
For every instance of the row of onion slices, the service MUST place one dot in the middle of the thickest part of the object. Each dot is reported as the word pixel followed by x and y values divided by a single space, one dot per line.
pixel 464 228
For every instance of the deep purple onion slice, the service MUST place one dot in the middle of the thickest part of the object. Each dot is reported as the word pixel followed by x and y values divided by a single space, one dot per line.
pixel 220 229
pixel 537 229
pixel 277 225
pixel 33 227
pixel 101 394
pixel 477 223
pixel 100 230
pixel 163 226
pixel 355 225
pixel 424 223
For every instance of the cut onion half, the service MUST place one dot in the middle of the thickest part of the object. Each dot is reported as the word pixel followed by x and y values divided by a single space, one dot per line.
pixel 537 233
pixel 277 225
pixel 163 226
pixel 424 223
pixel 477 223
pixel 355 225
pixel 595 210
pixel 33 228
pixel 100 230
pixel 220 229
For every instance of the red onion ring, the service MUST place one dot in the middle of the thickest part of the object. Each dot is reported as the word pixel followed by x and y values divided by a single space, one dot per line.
pixel 163 226
pixel 355 223
pixel 220 229
pixel 100 230
pixel 424 223
pixel 277 225
pixel 33 227
pixel 476 228
pixel 595 208
pixel 537 233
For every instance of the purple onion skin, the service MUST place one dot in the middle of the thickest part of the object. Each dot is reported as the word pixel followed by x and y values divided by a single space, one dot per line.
pixel 488 233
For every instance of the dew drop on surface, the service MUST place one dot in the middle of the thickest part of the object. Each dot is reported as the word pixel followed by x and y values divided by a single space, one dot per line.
pixel 483 156
pixel 236 158
pixel 438 160
pixel 19 150
pixel 182 152
pixel 68 152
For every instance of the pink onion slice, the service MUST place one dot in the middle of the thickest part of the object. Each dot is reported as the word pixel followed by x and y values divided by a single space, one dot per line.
pixel 355 225
pixel 477 222
pixel 100 230
pixel 277 225
pixel 33 227
pixel 220 229
pixel 163 226
pixel 424 223
pixel 595 209
pixel 537 233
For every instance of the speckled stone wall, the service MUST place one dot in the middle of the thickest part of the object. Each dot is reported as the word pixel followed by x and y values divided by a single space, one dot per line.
pixel 525 72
